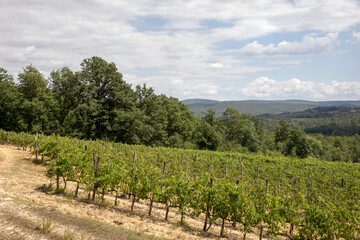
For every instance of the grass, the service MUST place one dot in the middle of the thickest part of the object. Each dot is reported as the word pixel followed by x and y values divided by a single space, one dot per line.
pixel 46 225
pixel 68 235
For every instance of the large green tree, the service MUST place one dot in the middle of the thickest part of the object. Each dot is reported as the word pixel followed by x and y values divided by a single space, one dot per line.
pixel 240 129
pixel 68 93
pixel 37 103
pixel 9 102
pixel 106 98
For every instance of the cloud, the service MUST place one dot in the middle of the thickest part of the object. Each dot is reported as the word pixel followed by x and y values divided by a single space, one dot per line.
pixel 356 35
pixel 308 45
pixel 220 65
pixel 266 88
pixel 177 87
pixel 164 41
pixel 23 55
pixel 289 62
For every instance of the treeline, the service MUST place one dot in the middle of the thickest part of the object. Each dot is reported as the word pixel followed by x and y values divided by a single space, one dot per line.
pixel 329 121
pixel 346 125
pixel 96 103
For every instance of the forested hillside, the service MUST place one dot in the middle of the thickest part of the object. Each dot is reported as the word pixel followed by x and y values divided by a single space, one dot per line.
pixel 97 103
pixel 329 121
pixel 258 107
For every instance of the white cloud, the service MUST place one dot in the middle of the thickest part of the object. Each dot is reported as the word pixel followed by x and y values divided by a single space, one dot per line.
pixel 23 55
pixel 356 35
pixel 177 87
pixel 308 45
pixel 266 88
pixel 220 65
pixel 50 34
pixel 289 62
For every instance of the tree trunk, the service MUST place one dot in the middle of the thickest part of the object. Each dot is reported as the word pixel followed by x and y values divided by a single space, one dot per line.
pixel 133 202
pixel 206 217
pixel 116 197
pixel 57 182
pixel 222 227
pixel 261 232
pixel 291 230
pixel 77 189
pixel 94 191
pixel 64 184
pixel 103 195
pixel 167 211
pixel 151 204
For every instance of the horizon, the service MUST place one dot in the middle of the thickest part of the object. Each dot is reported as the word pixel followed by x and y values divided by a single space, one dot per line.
pixel 233 50
pixel 269 100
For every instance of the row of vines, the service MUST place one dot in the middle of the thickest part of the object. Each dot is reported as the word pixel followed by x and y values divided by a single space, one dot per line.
pixel 292 198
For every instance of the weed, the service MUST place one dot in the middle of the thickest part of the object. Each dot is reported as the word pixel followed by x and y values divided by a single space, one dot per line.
pixel 46 225
pixel 29 224
pixel 68 235
pixel 38 225
pixel 55 235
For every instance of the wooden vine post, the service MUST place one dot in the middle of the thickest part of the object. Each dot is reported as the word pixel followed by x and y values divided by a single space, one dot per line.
pixel 23 142
pixel 164 168
pixel 167 206
pixel 35 148
pixel 134 156
pixel 96 169
pixel 57 174
pixel 279 189
pixel 267 186
pixel 134 197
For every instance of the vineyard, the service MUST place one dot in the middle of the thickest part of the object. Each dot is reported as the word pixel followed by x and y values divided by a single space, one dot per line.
pixel 279 197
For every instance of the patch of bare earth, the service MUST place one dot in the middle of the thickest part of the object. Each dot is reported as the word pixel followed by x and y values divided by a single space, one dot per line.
pixel 25 210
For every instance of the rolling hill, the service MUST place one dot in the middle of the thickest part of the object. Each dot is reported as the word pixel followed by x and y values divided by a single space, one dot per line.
pixel 258 107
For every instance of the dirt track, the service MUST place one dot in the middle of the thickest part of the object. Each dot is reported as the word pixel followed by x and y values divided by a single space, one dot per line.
pixel 24 207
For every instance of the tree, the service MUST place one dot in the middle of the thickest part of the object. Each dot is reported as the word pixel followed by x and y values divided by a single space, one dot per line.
pixel 153 106
pixel 68 92
pixel 106 95
pixel 240 129
pixel 37 102
pixel 210 117
pixel 282 131
pixel 297 145
pixel 9 102
pixel 180 121
pixel 208 137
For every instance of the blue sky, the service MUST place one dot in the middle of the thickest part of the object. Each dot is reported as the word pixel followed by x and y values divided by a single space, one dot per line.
pixel 223 50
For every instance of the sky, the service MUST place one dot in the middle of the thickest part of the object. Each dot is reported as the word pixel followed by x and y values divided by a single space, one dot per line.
pixel 221 50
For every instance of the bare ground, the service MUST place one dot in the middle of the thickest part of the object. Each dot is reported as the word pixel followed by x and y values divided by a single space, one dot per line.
pixel 25 209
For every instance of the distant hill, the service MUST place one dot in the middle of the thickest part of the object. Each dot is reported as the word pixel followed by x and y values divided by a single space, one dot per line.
pixel 258 107
pixel 199 101
pixel 318 112
pixel 331 121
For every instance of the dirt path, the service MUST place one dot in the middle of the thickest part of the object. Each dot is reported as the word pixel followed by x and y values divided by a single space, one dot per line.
pixel 25 209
